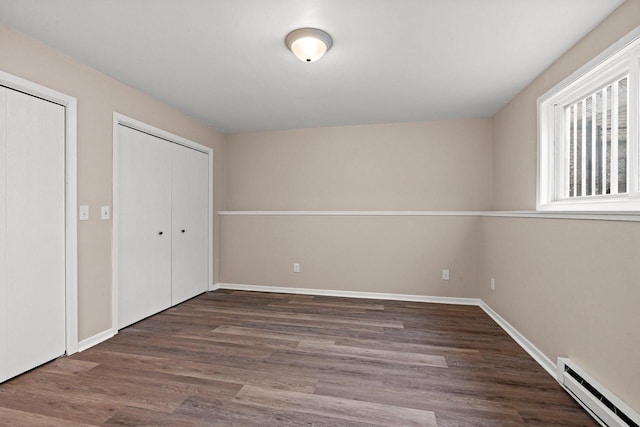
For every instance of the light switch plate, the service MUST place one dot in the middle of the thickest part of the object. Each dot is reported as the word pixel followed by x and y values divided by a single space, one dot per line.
pixel 105 212
pixel 83 215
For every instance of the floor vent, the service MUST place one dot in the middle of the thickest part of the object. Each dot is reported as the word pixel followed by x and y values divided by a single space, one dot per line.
pixel 603 405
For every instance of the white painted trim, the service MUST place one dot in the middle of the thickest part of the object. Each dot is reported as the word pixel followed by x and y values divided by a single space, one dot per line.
pixel 71 195
pixel 214 287
pixel 527 345
pixel 354 213
pixel 614 63
pixel 600 216
pixel 95 340
pixel 348 294
pixel 596 215
pixel 114 230
pixel 72 228
pixel 595 62
pixel 210 219
pixel 120 119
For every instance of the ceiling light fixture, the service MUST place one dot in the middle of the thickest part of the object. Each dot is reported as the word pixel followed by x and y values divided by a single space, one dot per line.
pixel 308 44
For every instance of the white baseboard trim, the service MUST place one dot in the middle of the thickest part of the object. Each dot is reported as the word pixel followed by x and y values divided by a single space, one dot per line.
pixel 520 339
pixel 348 294
pixel 214 287
pixel 527 345
pixel 95 340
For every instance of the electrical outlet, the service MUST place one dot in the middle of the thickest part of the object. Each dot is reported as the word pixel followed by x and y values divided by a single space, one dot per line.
pixel 104 212
pixel 84 213
pixel 493 284
pixel 296 268
pixel 445 274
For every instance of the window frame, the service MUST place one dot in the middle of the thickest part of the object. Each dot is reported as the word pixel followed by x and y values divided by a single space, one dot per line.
pixel 620 59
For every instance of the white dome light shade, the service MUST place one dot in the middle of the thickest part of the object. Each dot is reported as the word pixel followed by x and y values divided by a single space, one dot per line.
pixel 308 49
pixel 308 44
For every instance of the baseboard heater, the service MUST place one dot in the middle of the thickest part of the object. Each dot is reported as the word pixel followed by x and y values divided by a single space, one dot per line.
pixel 603 405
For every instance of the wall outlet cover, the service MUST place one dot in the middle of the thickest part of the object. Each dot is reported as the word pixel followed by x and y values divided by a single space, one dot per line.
pixel 83 214
pixel 105 212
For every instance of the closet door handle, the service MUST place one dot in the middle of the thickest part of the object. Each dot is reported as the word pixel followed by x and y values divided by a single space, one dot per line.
pixel 183 230
pixel 160 233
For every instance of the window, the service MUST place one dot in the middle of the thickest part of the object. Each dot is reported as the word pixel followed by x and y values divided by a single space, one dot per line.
pixel 589 154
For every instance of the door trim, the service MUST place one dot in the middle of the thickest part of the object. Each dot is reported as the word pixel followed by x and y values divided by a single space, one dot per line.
pixel 121 119
pixel 70 105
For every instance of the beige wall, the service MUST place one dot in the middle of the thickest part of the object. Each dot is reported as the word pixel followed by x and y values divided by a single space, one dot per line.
pixel 401 255
pixel 441 165
pixel 569 286
pixel 98 97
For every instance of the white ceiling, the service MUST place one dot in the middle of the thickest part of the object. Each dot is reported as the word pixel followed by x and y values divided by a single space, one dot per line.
pixel 225 61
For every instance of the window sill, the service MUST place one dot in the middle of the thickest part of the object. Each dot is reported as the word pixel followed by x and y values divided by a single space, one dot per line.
pixel 630 204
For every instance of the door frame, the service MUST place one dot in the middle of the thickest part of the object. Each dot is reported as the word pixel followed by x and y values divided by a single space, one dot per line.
pixel 121 119
pixel 70 105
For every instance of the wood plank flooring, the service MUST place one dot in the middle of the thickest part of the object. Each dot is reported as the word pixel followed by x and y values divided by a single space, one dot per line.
pixel 247 358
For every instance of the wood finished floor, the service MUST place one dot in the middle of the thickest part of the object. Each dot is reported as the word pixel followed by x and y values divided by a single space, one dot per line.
pixel 247 358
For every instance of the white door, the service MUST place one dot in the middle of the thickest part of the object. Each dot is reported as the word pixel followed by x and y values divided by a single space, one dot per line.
pixel 190 207
pixel 144 222
pixel 32 232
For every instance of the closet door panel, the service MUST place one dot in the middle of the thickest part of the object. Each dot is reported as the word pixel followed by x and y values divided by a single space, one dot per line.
pixel 34 237
pixel 190 207
pixel 3 235
pixel 144 234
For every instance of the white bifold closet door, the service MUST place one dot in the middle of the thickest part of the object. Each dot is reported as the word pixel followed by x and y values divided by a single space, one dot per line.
pixel 32 232
pixel 189 216
pixel 144 225
pixel 163 205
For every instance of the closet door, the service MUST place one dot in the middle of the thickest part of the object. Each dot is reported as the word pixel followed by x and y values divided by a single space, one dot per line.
pixel 190 207
pixel 32 236
pixel 144 222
